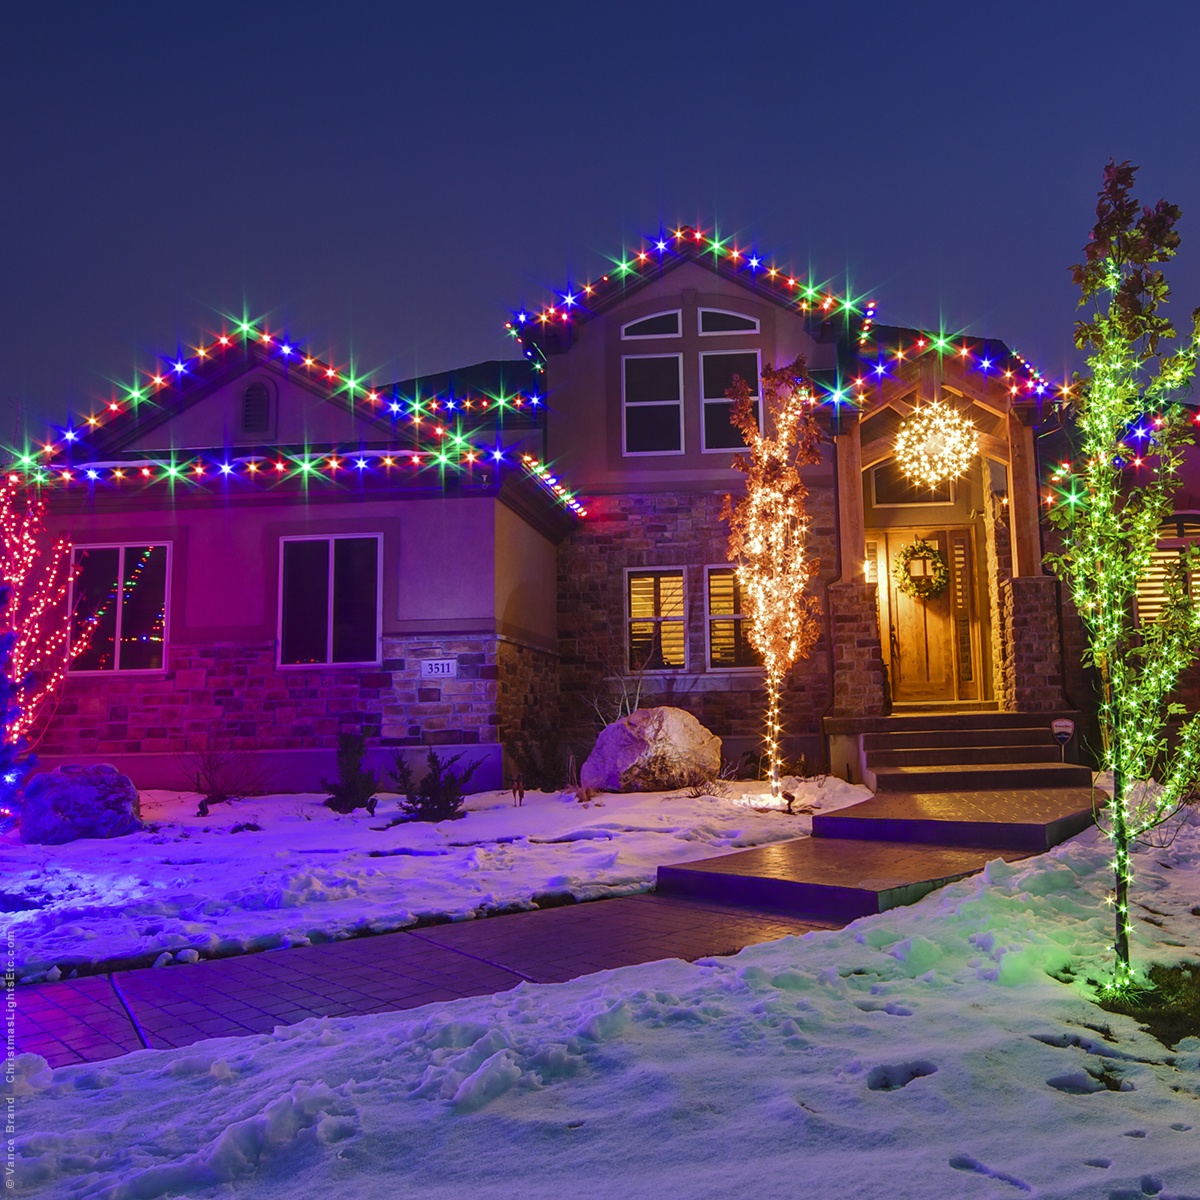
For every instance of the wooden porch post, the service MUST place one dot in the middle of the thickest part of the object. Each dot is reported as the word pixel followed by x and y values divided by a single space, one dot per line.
pixel 852 536
pixel 1023 493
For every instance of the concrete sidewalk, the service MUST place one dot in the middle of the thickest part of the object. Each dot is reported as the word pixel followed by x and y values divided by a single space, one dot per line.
pixel 102 1016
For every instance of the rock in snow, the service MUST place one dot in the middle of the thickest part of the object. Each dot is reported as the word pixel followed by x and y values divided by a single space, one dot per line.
pixel 650 750
pixel 79 802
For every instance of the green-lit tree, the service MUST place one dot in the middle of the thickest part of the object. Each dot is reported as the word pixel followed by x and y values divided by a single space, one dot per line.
pixel 1110 515
pixel 768 530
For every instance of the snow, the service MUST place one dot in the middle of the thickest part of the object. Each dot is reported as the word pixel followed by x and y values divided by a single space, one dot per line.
pixel 926 1053
pixel 191 887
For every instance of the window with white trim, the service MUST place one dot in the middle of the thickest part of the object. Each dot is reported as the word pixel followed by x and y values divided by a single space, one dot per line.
pixel 728 644
pixel 719 320
pixel 119 608
pixel 658 325
pixel 1174 537
pixel 329 600
pixel 656 620
pixel 717 371
pixel 652 391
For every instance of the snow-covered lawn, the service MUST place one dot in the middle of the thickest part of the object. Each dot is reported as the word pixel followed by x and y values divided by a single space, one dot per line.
pixel 193 885
pixel 922 1054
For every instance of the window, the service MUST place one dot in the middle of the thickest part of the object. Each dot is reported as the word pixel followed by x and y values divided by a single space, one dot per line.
pixel 119 608
pixel 657 629
pixel 256 408
pixel 728 645
pixel 653 412
pixel 1175 536
pixel 893 489
pixel 660 325
pixel 717 370
pixel 329 601
pixel 717 320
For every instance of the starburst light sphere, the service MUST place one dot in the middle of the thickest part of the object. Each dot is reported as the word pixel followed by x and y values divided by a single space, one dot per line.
pixel 935 443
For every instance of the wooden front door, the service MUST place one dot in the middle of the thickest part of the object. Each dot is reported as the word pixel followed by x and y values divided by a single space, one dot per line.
pixel 932 644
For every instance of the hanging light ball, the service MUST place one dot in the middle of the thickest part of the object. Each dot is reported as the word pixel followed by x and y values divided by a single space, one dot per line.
pixel 936 443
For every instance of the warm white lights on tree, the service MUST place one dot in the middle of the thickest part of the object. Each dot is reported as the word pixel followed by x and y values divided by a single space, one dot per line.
pixel 935 444
pixel 768 531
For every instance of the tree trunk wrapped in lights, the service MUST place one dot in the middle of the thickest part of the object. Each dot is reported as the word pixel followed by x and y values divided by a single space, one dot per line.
pixel 769 528
pixel 37 572
pixel 1111 522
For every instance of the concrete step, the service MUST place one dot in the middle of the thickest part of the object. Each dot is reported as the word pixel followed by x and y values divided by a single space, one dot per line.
pixel 945 721
pixel 1033 819
pixel 955 737
pixel 826 879
pixel 971 777
pixel 943 755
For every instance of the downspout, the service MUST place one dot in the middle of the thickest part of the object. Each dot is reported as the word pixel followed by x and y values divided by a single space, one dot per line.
pixel 837 578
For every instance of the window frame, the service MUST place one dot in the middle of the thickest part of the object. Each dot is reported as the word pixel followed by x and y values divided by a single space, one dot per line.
pixel 707 400
pixel 652 337
pixel 709 618
pixel 329 664
pixel 625 406
pixel 681 571
pixel 1186 534
pixel 727 312
pixel 116 669
pixel 922 504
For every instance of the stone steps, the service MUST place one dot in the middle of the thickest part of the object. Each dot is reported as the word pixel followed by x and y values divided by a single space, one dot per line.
pixel 933 738
pixel 921 756
pixel 826 879
pixel 964 777
pixel 1031 820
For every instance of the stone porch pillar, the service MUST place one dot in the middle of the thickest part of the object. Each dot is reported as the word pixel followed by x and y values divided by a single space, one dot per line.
pixel 1031 675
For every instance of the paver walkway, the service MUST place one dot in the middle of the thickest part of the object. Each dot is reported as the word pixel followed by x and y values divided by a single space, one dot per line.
pixel 101 1016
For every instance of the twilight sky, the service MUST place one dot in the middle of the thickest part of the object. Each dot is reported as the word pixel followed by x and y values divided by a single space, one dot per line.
pixel 388 180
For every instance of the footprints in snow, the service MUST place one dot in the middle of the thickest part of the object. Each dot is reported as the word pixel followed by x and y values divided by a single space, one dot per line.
pixel 891 1077
pixel 964 1162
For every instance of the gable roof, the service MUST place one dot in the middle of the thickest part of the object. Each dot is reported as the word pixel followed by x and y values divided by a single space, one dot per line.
pixel 423 424
pixel 548 330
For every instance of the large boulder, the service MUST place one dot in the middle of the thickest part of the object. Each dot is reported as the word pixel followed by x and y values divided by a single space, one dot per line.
pixel 79 802
pixel 651 750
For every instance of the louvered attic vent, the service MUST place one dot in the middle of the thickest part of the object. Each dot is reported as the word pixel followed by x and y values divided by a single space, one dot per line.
pixel 256 408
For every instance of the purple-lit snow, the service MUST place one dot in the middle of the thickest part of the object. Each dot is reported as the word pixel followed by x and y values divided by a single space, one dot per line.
pixel 190 884
pixel 922 1054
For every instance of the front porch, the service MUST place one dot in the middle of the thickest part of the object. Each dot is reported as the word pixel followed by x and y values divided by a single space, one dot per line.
pixel 982 652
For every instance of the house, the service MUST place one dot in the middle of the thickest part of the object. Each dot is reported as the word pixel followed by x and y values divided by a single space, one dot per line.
pixel 637 365
pixel 273 551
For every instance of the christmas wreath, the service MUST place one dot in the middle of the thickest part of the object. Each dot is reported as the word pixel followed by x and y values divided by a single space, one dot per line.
pixel 921 587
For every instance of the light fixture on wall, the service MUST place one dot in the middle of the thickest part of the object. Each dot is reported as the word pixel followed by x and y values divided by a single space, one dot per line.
pixel 935 443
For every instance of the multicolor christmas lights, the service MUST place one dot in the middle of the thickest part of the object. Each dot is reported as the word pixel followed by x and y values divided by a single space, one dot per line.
pixel 442 432
pixel 1111 524
pixel 575 303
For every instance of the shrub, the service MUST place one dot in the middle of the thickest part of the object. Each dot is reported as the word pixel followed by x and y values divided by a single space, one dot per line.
pixel 537 755
pixel 355 787
pixel 439 796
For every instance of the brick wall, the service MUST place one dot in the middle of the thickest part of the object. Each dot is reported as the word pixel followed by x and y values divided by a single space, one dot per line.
pixel 859 676
pixel 660 531
pixel 1031 678
pixel 236 693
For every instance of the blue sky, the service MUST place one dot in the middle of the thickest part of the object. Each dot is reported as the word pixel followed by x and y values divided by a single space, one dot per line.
pixel 387 180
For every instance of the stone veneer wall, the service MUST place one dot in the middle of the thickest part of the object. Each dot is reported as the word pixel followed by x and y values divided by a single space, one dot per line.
pixel 661 531
pixel 235 693
pixel 860 687
pixel 1031 679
